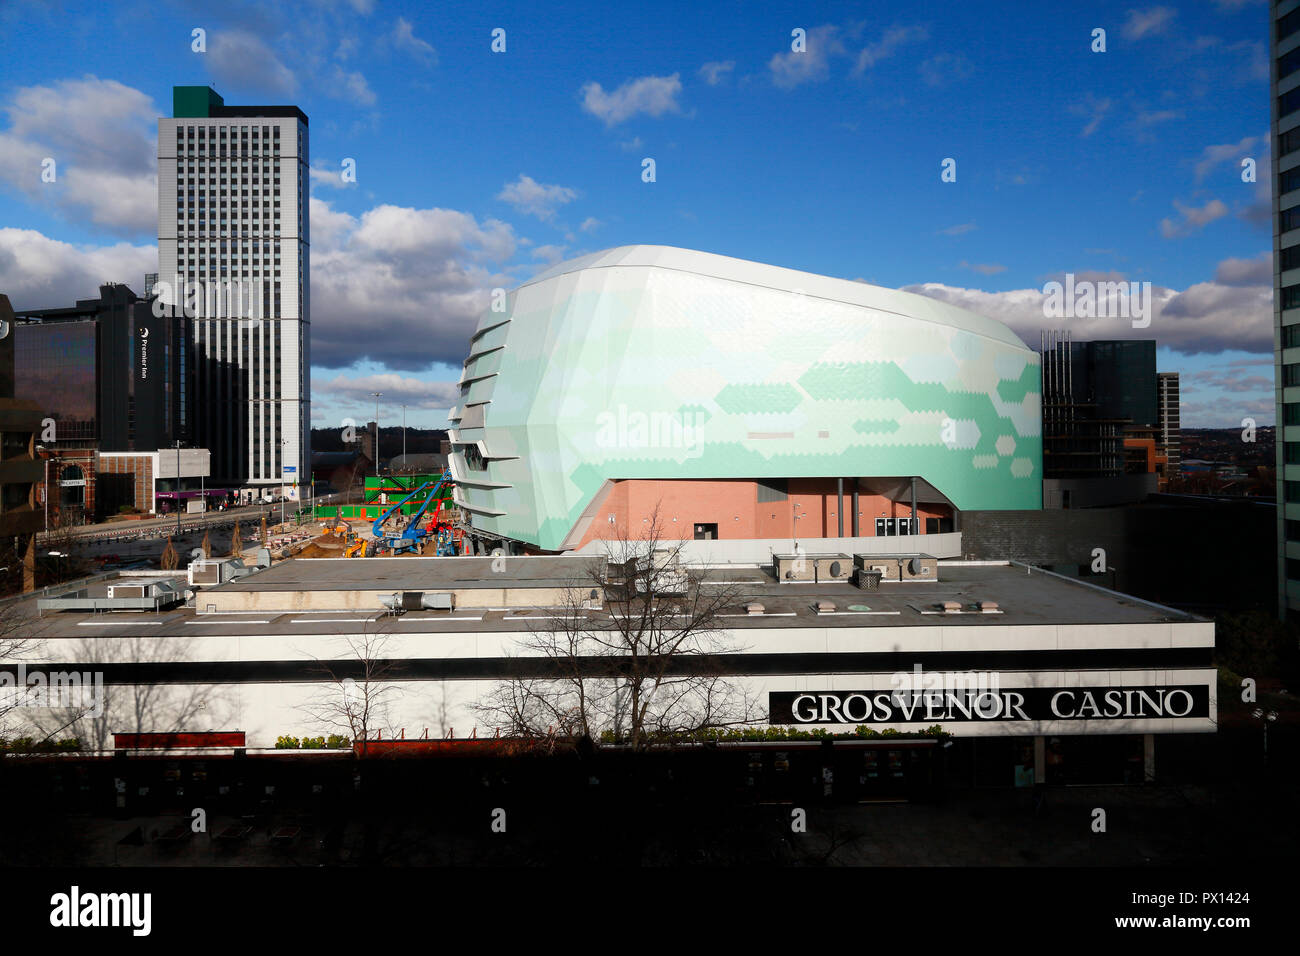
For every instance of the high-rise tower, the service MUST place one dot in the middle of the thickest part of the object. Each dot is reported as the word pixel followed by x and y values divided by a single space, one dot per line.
pixel 233 246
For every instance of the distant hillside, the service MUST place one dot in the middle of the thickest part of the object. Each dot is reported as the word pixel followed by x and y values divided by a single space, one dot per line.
pixel 1228 445
pixel 419 441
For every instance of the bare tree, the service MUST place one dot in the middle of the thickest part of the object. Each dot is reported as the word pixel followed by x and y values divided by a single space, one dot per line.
pixel 169 560
pixel 20 643
pixel 236 541
pixel 206 544
pixel 356 694
pixel 60 556
pixel 144 707
pixel 643 667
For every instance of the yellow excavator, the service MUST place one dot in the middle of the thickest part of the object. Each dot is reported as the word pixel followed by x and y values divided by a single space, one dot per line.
pixel 356 545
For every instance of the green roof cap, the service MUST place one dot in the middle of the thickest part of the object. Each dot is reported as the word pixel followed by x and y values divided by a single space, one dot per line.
pixel 194 100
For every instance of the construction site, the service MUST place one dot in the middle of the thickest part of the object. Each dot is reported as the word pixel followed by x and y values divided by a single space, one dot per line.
pixel 398 515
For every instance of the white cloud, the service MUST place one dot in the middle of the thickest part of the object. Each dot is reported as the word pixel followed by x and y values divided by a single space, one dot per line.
pixel 101 136
pixel 240 60
pixel 536 199
pixel 652 95
pixel 423 276
pixel 1208 317
pixel 958 229
pixel 1233 153
pixel 1150 22
pixel 887 45
pixel 1257 271
pixel 590 224
pixel 1193 218
pixel 358 390
pixel 1095 110
pixel 714 73
pixel 324 173
pixel 38 272
pixel 631 145
pixel 812 65
pixel 351 85
pixel 946 68
pixel 549 254
pixel 404 38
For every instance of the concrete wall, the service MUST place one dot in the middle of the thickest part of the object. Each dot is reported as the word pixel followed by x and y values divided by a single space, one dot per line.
pixel 222 601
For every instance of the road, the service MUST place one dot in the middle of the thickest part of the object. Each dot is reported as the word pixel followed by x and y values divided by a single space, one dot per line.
pixel 123 532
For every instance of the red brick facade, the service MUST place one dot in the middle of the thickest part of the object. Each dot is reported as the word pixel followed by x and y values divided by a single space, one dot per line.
pixel 733 505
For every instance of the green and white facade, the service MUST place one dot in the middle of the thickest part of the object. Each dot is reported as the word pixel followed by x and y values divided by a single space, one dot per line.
pixel 652 362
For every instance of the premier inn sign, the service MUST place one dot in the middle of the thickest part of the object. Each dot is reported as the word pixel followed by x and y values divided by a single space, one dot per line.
pixel 1018 704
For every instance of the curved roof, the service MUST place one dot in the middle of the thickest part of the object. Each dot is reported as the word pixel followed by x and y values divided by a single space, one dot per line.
pixel 848 291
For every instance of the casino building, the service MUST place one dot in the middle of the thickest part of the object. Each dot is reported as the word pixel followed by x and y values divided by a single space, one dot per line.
pixel 742 400
pixel 1039 678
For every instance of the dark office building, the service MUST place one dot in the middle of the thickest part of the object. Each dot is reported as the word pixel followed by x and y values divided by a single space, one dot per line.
pixel 1103 442
pixel 1119 379
pixel 20 470
pixel 111 374
pixel 1285 23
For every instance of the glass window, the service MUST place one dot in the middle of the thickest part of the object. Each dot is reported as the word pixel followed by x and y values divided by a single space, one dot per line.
pixel 1288 63
pixel 1288 142
pixel 54 366
pixel 14 445
pixel 1288 103
pixel 1288 25
pixel 1291 258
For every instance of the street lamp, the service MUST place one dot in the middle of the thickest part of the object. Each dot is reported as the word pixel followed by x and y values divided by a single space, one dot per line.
pixel 376 394
pixel 177 486
pixel 404 465
pixel 283 443
pixel 1266 717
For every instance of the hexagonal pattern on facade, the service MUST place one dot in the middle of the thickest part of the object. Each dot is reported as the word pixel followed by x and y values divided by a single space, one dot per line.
pixel 656 362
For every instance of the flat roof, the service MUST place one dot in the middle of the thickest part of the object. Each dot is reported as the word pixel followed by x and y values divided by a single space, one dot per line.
pixel 1024 597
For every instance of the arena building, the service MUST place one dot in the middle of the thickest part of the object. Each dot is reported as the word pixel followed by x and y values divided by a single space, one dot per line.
pixel 743 401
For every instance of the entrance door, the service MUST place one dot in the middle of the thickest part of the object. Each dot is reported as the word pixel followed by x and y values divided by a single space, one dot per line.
pixel 706 532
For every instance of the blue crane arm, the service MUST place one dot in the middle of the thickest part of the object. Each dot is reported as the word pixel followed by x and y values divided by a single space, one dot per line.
pixel 412 530
pixel 378 528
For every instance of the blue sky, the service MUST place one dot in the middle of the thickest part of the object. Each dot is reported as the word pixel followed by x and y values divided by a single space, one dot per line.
pixel 476 169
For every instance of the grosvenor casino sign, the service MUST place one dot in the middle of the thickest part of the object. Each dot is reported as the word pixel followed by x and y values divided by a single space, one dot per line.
pixel 1024 703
